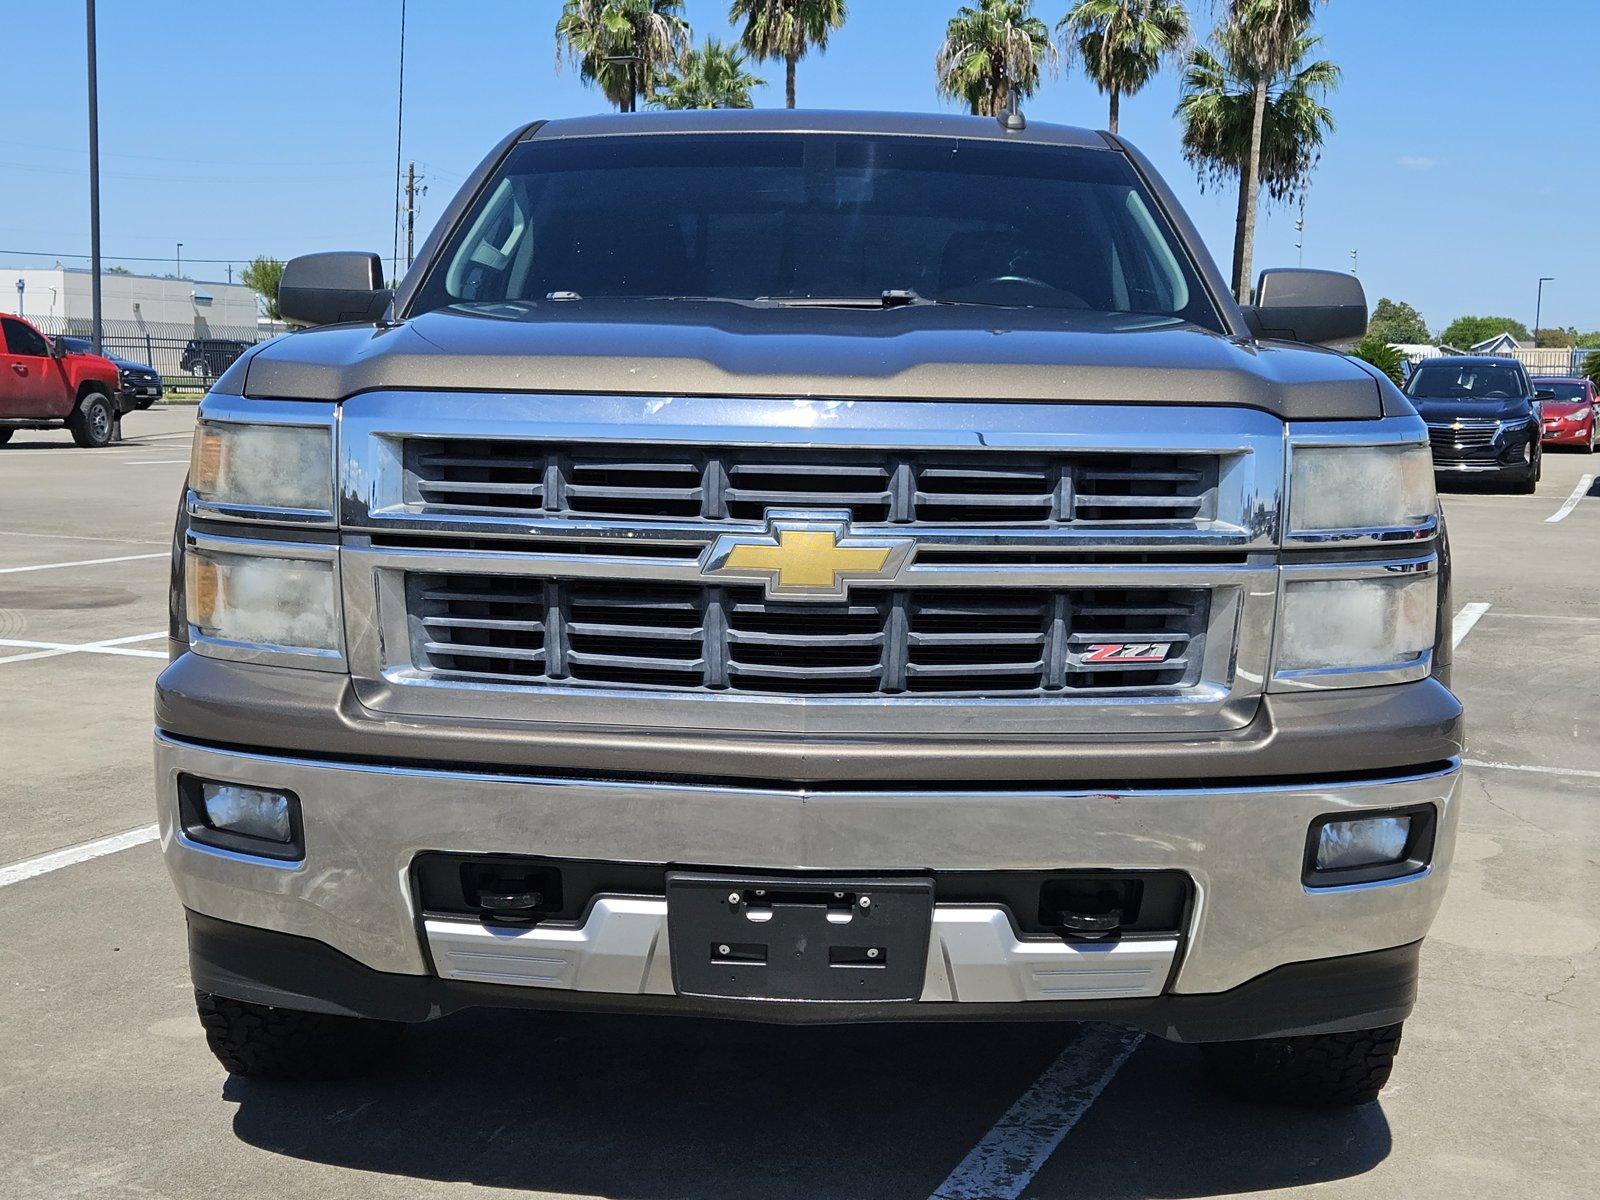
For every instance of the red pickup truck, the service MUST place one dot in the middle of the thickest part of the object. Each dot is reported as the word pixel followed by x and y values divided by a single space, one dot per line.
pixel 43 384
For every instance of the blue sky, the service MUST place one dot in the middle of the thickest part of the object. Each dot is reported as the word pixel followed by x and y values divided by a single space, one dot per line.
pixel 1466 162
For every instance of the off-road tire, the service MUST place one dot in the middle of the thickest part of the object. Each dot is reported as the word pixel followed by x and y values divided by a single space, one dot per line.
pixel 287 1043
pixel 1325 1070
pixel 93 423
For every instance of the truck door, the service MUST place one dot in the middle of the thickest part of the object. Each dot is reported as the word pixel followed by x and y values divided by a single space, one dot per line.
pixel 32 383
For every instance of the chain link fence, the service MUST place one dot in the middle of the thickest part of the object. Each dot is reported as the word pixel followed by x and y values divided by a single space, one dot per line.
pixel 183 356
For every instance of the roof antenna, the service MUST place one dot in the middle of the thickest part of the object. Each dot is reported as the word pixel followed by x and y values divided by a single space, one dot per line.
pixel 1011 120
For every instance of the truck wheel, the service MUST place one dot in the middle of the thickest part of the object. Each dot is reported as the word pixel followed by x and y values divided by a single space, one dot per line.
pixel 93 423
pixel 1324 1070
pixel 288 1043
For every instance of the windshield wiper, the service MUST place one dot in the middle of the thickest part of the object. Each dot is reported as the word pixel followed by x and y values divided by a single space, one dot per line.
pixel 889 298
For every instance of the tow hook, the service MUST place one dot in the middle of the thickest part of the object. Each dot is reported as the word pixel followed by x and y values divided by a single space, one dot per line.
pixel 504 900
pixel 1091 926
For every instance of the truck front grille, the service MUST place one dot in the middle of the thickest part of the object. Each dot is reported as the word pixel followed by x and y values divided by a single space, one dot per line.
pixel 669 482
pixel 688 637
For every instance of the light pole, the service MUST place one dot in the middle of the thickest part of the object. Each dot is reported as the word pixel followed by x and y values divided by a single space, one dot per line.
pixel 94 181
pixel 631 61
pixel 180 260
pixel 1355 262
pixel 1538 310
pixel 21 284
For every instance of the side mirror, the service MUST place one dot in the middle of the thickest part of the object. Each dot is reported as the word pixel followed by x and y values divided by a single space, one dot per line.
pixel 58 348
pixel 1543 395
pixel 325 289
pixel 1322 308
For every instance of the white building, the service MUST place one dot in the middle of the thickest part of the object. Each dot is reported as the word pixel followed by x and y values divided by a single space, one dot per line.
pixel 59 298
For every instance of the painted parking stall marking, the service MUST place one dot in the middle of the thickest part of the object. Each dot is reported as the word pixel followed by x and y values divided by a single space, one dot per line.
pixel 1003 1164
pixel 113 646
pixel 1469 616
pixel 32 868
pixel 1563 772
pixel 82 562
pixel 1578 493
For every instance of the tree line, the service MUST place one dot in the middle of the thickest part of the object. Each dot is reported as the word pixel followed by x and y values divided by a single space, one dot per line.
pixel 1252 100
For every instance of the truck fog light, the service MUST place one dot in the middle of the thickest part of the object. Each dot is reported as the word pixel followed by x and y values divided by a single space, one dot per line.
pixel 251 812
pixel 259 822
pixel 1363 842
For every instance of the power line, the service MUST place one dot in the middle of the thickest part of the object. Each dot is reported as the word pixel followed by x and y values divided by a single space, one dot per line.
pixel 161 258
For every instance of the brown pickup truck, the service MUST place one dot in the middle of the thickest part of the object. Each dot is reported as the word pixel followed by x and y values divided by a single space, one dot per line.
pixel 45 384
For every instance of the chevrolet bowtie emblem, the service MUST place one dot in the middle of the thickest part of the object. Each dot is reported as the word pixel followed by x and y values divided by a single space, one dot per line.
pixel 806 556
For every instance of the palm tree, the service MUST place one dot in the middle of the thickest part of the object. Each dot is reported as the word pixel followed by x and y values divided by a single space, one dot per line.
pixel 992 53
pixel 1265 33
pixel 786 29
pixel 1223 135
pixel 712 77
pixel 1122 42
pixel 593 33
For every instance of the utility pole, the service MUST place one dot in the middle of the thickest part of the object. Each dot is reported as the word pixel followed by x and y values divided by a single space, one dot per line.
pixel 180 260
pixel 94 182
pixel 1538 312
pixel 1355 262
pixel 414 188
pixel 230 272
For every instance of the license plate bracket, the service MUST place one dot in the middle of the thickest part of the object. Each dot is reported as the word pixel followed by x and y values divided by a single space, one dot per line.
pixel 836 939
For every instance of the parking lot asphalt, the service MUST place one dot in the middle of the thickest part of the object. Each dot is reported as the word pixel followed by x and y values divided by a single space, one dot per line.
pixel 107 1088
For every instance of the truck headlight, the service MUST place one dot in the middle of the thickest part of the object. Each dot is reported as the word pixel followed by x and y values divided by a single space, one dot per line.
pixel 283 471
pixel 241 603
pixel 1356 632
pixel 1356 488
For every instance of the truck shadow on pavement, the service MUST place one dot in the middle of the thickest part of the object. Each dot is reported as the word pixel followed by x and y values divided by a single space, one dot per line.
pixel 678 1108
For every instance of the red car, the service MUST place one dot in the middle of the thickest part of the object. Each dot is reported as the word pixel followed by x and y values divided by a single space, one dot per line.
pixel 1569 413
pixel 43 384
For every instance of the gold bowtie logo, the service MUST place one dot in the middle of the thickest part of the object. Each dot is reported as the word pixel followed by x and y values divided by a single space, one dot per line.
pixel 806 556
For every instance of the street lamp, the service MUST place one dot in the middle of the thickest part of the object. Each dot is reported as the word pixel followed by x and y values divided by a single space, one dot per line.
pixel 180 260
pixel 1538 311
pixel 632 61
pixel 21 284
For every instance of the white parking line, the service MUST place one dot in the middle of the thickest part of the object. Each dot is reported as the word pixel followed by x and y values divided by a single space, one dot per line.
pixel 80 537
pixel 1001 1166
pixel 31 868
pixel 152 462
pixel 1501 613
pixel 1578 493
pixel 1469 616
pixel 82 562
pixel 115 646
pixel 1566 772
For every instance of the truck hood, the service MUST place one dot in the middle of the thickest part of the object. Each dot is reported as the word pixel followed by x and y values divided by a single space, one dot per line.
pixel 929 352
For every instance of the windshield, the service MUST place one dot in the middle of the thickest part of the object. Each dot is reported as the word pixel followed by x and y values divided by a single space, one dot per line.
pixel 1566 393
pixel 1490 381
pixel 795 217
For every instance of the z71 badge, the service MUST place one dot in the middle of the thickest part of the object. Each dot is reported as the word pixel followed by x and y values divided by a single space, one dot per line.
pixel 1126 652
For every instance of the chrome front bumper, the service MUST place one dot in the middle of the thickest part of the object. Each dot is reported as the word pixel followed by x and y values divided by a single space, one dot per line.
pixel 1242 846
